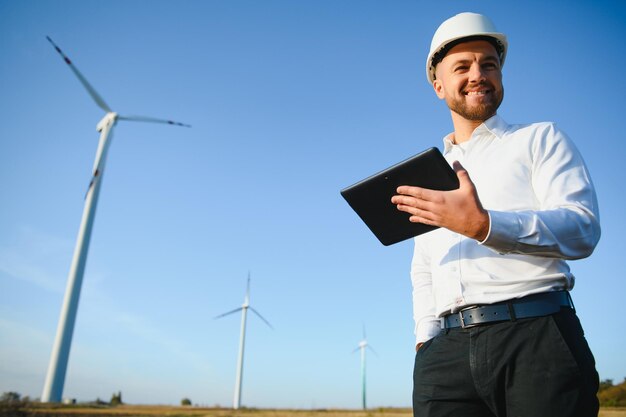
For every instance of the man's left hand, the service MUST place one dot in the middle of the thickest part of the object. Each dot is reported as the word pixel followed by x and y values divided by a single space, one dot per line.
pixel 457 210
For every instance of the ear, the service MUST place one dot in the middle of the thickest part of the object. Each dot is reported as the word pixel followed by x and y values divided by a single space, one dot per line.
pixel 438 87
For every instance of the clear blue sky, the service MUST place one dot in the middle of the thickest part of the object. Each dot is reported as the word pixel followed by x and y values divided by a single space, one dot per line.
pixel 290 101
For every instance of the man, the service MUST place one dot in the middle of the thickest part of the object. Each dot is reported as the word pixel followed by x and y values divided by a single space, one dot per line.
pixel 497 334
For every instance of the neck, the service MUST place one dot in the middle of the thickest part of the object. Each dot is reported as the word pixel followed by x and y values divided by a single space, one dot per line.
pixel 463 128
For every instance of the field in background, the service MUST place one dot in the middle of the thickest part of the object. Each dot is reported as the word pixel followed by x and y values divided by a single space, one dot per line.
pixel 45 410
pixel 612 412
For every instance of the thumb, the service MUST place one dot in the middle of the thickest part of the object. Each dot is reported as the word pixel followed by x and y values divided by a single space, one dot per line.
pixel 462 175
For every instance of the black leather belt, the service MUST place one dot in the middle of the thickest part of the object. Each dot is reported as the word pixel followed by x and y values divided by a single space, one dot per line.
pixel 535 305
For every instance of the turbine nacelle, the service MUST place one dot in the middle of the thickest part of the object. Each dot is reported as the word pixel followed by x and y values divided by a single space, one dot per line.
pixel 108 119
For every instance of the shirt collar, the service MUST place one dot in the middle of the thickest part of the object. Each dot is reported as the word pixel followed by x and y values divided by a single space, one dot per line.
pixel 494 125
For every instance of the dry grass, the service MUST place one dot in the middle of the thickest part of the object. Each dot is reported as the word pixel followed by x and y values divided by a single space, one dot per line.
pixel 47 410
pixel 168 411
pixel 612 412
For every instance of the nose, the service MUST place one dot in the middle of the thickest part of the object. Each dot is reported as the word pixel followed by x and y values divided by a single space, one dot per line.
pixel 476 73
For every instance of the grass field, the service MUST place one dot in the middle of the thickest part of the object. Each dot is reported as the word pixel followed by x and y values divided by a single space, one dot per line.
pixel 41 410
pixel 612 412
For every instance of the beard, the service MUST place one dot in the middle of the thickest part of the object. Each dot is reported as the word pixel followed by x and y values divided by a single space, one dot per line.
pixel 480 112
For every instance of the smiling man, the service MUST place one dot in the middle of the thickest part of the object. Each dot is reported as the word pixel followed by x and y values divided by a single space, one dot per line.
pixel 496 330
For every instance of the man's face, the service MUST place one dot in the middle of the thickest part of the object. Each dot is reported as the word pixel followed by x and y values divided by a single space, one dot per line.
pixel 469 79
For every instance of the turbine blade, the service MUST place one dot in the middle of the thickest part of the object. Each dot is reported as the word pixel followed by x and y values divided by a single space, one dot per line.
pixel 151 120
pixel 261 317
pixel 246 300
pixel 355 350
pixel 372 349
pixel 226 314
pixel 94 95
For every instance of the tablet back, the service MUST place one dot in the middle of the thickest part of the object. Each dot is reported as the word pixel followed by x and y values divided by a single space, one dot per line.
pixel 371 197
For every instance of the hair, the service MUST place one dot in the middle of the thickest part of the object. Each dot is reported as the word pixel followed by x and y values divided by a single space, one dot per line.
pixel 440 54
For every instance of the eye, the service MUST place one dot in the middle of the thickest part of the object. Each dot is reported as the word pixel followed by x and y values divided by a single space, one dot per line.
pixel 490 66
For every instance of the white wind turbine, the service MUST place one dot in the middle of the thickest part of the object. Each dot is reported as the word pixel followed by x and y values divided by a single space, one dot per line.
pixel 363 346
pixel 55 378
pixel 242 341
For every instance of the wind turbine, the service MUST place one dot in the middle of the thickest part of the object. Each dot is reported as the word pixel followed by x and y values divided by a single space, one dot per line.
pixel 242 340
pixel 55 378
pixel 363 345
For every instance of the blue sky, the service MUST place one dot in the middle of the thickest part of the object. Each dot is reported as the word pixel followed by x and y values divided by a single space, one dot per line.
pixel 290 101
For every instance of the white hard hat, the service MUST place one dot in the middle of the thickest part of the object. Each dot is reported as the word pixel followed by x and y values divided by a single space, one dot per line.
pixel 463 25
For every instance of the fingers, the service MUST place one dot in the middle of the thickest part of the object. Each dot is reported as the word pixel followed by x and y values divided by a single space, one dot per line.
pixel 417 192
pixel 419 215
pixel 417 202
pixel 408 203
pixel 423 220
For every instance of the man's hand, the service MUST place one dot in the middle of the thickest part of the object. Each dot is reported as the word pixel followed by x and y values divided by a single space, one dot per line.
pixel 458 210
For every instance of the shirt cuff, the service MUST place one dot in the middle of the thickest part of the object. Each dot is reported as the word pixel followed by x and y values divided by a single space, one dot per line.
pixel 504 229
pixel 427 329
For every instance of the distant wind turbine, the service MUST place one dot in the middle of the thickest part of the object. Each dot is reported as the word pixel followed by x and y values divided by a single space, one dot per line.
pixel 242 341
pixel 363 345
pixel 55 378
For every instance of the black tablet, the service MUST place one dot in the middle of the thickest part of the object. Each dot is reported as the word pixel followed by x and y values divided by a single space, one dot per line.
pixel 371 197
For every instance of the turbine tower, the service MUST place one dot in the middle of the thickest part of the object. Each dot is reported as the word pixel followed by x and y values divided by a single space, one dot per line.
pixel 55 378
pixel 363 346
pixel 242 341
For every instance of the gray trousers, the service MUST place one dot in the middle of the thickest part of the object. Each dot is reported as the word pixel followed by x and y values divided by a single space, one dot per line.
pixel 532 367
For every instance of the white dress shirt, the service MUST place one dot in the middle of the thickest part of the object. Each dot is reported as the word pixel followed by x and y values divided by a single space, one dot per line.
pixel 542 208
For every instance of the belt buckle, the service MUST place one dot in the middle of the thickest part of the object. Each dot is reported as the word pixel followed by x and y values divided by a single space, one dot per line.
pixel 461 319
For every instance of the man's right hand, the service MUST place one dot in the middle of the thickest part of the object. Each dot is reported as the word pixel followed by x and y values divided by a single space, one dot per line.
pixel 418 346
pixel 457 210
